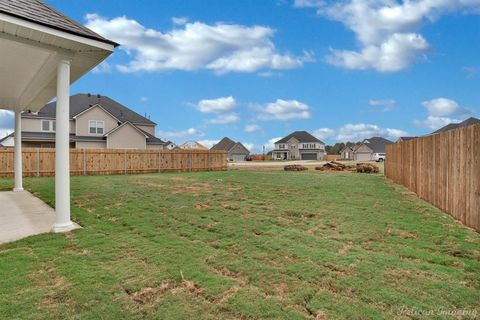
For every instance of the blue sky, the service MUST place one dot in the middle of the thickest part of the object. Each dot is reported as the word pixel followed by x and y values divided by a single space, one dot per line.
pixel 257 70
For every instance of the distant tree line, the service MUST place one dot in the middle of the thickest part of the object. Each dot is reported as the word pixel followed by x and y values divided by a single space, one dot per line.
pixel 337 147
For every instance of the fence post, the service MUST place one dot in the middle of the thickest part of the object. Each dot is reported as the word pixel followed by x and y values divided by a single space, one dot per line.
pixel 209 164
pixel 159 162
pixel 190 161
pixel 38 162
pixel 84 162
pixel 125 162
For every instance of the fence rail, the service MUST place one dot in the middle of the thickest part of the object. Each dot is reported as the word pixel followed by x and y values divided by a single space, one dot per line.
pixel 41 161
pixel 443 169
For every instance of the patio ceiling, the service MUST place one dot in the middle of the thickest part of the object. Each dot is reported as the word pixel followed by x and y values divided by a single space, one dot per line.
pixel 29 56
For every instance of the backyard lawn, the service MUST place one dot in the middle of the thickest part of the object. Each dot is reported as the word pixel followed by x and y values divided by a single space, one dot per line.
pixel 242 245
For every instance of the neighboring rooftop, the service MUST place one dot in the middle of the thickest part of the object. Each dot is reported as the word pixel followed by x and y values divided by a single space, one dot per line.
pixel 301 136
pixel 81 102
pixel 377 144
pixel 468 122
pixel 406 138
pixel 38 12
pixel 224 145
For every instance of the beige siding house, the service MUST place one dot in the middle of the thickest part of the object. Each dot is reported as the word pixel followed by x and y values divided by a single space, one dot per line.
pixel 299 145
pixel 236 150
pixel 95 122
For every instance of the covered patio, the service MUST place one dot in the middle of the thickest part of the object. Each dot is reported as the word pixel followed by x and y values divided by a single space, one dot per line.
pixel 42 52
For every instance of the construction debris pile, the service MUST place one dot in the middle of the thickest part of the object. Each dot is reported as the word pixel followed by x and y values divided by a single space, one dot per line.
pixel 337 166
pixel 367 168
pixel 334 166
pixel 295 167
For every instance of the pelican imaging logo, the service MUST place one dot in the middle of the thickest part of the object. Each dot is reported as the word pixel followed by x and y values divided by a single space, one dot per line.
pixel 439 312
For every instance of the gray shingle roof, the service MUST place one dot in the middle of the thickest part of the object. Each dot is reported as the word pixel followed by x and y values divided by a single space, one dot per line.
pixel 50 136
pixel 468 122
pixel 81 102
pixel 377 144
pixel 224 145
pixel 301 136
pixel 38 12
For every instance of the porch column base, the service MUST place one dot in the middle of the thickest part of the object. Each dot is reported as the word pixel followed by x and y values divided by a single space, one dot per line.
pixel 18 189
pixel 64 227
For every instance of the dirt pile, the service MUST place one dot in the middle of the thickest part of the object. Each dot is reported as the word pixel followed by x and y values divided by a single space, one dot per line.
pixel 367 168
pixel 294 167
pixel 334 166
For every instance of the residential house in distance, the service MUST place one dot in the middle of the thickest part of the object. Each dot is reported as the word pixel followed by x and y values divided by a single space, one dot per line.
pixel 299 145
pixel 405 138
pixel 371 149
pixel 169 145
pixel 348 152
pixel 236 150
pixel 468 122
pixel 95 122
pixel 193 145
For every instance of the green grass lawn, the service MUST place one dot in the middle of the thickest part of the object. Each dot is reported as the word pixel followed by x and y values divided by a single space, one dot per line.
pixel 241 245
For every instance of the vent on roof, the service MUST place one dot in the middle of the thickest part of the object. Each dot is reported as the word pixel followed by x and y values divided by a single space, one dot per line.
pixel 89 95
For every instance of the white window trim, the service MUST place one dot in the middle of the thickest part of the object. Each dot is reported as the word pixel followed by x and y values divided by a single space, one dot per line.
pixel 50 125
pixel 96 127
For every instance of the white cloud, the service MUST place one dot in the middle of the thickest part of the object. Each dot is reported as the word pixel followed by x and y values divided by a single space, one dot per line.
pixel 103 67
pixel 225 118
pixel 208 143
pixel 387 30
pixel 249 146
pixel 6 123
pixel 442 107
pixel 221 47
pixel 179 20
pixel 396 53
pixel 249 128
pixel 324 133
pixel 358 132
pixel 190 132
pixel 385 104
pixel 143 99
pixel 440 112
pixel 283 110
pixel 435 122
pixel 218 105
pixel 270 144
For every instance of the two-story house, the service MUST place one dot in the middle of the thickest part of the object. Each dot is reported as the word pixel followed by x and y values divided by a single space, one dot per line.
pixel 95 122
pixel 299 145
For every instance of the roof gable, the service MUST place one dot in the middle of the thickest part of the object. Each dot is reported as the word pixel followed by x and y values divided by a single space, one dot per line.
pixel 81 102
pixel 224 144
pixel 239 147
pixel 465 123
pixel 38 12
pixel 377 144
pixel 96 106
pixel 301 136
pixel 123 125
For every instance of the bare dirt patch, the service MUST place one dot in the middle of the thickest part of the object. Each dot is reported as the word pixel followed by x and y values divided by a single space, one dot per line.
pixel 148 295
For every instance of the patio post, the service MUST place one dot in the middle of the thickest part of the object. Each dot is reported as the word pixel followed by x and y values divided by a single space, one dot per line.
pixel 18 186
pixel 62 150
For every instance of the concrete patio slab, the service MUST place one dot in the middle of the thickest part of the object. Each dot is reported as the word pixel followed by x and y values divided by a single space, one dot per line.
pixel 23 215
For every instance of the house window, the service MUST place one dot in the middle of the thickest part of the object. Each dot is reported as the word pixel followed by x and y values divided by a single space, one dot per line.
pixel 95 127
pixel 45 125
pixel 48 125
pixel 281 146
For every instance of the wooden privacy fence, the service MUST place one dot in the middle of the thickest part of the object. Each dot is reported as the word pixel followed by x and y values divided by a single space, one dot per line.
pixel 41 162
pixel 443 169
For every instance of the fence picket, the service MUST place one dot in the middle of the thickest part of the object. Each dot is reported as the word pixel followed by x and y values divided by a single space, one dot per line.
pixel 443 169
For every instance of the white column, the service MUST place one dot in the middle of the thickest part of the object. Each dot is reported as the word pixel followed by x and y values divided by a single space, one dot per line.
pixel 62 150
pixel 18 152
